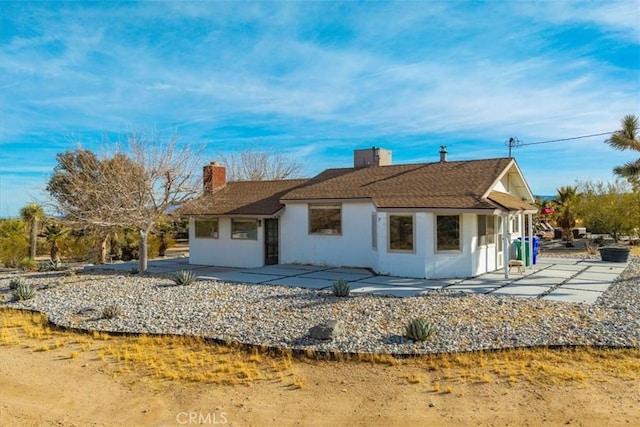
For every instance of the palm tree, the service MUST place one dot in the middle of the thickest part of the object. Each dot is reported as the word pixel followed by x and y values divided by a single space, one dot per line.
pixel 32 214
pixel 54 233
pixel 627 139
pixel 566 201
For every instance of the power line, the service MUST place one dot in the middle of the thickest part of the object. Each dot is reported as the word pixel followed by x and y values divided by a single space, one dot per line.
pixel 514 142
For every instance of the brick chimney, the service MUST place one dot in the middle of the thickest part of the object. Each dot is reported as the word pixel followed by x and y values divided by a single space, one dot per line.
pixel 214 177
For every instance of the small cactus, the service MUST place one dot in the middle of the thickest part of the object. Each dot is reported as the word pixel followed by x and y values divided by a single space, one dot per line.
pixel 184 278
pixel 110 312
pixel 24 291
pixel 340 288
pixel 15 282
pixel 419 329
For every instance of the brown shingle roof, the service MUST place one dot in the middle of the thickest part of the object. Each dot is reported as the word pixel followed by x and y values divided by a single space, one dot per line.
pixel 243 198
pixel 510 202
pixel 458 185
pixel 442 185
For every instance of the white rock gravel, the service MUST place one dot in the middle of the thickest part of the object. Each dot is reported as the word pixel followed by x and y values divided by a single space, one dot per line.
pixel 279 316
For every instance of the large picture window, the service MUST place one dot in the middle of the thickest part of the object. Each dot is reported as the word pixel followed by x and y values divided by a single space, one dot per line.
pixel 448 232
pixel 486 230
pixel 206 228
pixel 325 219
pixel 401 232
pixel 244 229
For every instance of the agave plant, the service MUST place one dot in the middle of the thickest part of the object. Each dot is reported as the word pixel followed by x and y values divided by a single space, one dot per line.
pixel 15 282
pixel 24 291
pixel 419 329
pixel 110 312
pixel 340 288
pixel 184 277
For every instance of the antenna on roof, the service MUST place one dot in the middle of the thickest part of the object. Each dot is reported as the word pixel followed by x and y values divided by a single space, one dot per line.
pixel 512 143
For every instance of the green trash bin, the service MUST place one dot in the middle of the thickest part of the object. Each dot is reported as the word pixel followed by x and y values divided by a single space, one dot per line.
pixel 519 251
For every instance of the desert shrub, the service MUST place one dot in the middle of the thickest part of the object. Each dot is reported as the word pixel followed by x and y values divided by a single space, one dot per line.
pixel 52 266
pixel 419 329
pixel 134 270
pixel 111 312
pixel 184 277
pixel 340 288
pixel 14 243
pixel 24 291
pixel 13 283
pixel 82 247
pixel 28 264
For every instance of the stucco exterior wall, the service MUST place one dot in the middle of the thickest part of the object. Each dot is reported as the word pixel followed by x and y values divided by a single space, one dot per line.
pixel 225 251
pixel 353 248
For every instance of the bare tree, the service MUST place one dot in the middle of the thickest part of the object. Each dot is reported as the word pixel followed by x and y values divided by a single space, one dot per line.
pixel 260 165
pixel 141 179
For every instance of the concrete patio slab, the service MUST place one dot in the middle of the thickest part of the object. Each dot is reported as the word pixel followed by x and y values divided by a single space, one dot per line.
pixel 573 295
pixel 609 277
pixel 554 274
pixel 482 288
pixel 606 269
pixel 351 270
pixel 301 267
pixel 397 291
pixel 586 285
pixel 521 291
pixel 333 276
pixel 276 271
pixel 239 277
pixel 301 282
pixel 566 267
pixel 403 281
pixel 539 281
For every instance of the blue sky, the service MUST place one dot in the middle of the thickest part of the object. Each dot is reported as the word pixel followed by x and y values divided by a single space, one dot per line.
pixel 319 79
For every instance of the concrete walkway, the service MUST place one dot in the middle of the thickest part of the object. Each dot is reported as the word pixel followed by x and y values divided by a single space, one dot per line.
pixel 561 279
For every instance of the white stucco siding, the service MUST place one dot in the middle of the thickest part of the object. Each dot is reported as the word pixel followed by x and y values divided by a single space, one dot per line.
pixel 353 248
pixel 225 251
pixel 400 263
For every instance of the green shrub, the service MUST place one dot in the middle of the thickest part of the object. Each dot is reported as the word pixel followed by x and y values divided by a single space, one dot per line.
pixel 24 291
pixel 13 283
pixel 340 288
pixel 13 249
pixel 111 312
pixel 28 264
pixel 184 277
pixel 419 329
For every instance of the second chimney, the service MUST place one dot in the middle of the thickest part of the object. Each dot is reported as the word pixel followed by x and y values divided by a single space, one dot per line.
pixel 214 177
pixel 443 153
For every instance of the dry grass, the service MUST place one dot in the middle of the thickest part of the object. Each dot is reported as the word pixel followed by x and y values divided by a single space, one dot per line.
pixel 194 360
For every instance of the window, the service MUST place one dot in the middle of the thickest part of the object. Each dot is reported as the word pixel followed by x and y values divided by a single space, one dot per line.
pixel 374 230
pixel 515 225
pixel 448 232
pixel 401 232
pixel 244 229
pixel 325 219
pixel 486 230
pixel 207 228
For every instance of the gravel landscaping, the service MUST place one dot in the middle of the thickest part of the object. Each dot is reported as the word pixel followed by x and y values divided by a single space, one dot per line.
pixel 279 316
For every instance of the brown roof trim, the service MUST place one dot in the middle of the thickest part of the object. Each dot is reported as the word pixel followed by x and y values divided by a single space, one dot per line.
pixel 512 203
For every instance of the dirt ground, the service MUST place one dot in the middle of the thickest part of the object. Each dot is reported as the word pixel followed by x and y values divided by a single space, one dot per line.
pixel 50 388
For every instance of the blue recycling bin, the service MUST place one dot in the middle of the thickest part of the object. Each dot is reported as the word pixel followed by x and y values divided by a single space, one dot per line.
pixel 536 241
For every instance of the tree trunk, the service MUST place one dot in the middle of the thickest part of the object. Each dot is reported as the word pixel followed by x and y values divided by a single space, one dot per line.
pixel 55 253
pixel 142 250
pixel 33 239
pixel 103 249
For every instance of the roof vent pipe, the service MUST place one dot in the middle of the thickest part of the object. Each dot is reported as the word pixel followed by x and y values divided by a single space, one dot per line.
pixel 443 153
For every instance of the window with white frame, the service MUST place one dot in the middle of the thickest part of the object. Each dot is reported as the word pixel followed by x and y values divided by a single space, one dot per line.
pixel 374 230
pixel 206 228
pixel 486 230
pixel 244 229
pixel 448 232
pixel 401 233
pixel 325 219
pixel 515 225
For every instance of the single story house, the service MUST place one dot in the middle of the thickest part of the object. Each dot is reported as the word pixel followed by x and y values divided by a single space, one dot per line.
pixel 444 219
